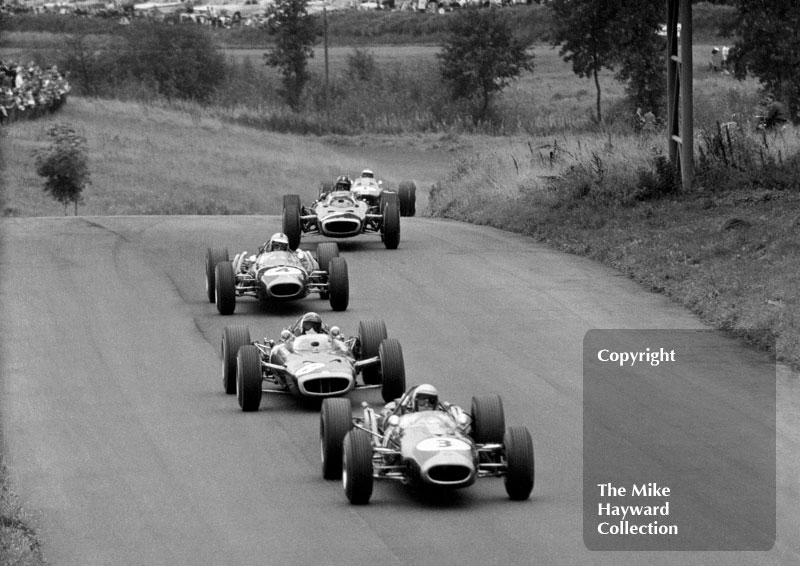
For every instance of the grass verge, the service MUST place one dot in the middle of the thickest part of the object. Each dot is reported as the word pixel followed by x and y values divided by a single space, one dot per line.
pixel 728 250
pixel 19 545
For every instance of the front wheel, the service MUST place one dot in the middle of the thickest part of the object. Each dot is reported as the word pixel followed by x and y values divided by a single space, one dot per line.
pixel 357 467
pixel 338 284
pixel 233 338
pixel 520 472
pixel 390 232
pixel 335 421
pixel 248 378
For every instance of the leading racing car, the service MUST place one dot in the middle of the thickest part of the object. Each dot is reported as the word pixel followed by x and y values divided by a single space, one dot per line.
pixel 349 209
pixel 311 360
pixel 277 273
pixel 421 441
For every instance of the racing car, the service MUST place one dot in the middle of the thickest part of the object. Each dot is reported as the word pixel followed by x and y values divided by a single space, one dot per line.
pixel 311 363
pixel 349 209
pixel 439 446
pixel 276 273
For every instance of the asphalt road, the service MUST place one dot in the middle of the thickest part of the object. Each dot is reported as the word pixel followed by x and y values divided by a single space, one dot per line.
pixel 125 449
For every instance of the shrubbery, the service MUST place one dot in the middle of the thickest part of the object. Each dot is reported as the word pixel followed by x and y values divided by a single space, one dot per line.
pixel 145 61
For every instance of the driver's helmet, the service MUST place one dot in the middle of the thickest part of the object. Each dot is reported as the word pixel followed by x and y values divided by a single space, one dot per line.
pixel 278 242
pixel 311 323
pixel 367 173
pixel 343 183
pixel 425 398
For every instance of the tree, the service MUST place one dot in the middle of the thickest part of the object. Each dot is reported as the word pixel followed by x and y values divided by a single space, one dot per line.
pixel 768 46
pixel 295 33
pixel 586 32
pixel 640 54
pixel 480 57
pixel 181 61
pixel 64 164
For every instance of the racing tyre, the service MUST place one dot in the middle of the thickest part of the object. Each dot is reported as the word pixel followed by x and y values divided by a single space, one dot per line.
pixel 370 335
pixel 488 419
pixel 326 251
pixel 520 463
pixel 335 421
pixel 233 338
pixel 393 369
pixel 248 378
pixel 390 232
pixel 225 288
pixel 289 200
pixel 338 284
pixel 407 195
pixel 388 198
pixel 291 224
pixel 357 467
pixel 213 257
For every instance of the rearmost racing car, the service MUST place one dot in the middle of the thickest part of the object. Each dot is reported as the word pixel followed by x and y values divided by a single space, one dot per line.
pixel 311 360
pixel 348 209
pixel 421 441
pixel 277 273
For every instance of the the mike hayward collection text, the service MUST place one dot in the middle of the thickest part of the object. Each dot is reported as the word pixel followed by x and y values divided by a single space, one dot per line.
pixel 630 519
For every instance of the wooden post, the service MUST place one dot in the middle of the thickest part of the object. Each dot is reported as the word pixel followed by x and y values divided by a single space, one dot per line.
pixel 680 100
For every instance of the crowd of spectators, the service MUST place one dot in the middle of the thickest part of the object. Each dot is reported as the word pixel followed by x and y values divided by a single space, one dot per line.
pixel 213 13
pixel 29 91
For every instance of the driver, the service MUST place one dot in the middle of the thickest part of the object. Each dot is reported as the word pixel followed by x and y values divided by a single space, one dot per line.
pixel 425 398
pixel 367 174
pixel 279 242
pixel 343 183
pixel 311 323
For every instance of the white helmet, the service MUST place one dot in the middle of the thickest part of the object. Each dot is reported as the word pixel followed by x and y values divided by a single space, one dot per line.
pixel 425 398
pixel 278 242
pixel 368 173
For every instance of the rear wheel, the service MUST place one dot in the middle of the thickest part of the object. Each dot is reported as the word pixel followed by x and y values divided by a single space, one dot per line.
pixel 248 378
pixel 407 194
pixel 213 257
pixel 357 467
pixel 488 419
pixel 520 473
pixel 370 335
pixel 233 338
pixel 338 284
pixel 335 421
pixel 390 232
pixel 291 224
pixel 326 251
pixel 393 369
pixel 225 291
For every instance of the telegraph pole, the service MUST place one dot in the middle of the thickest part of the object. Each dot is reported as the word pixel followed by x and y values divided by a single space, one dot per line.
pixel 680 103
pixel 325 44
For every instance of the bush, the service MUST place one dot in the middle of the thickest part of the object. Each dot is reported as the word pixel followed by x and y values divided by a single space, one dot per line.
pixel 64 165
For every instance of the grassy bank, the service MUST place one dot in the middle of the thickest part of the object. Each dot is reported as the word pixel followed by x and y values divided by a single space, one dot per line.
pixel 19 544
pixel 728 250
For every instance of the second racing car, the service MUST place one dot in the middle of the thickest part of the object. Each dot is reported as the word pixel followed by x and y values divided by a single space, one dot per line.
pixel 311 360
